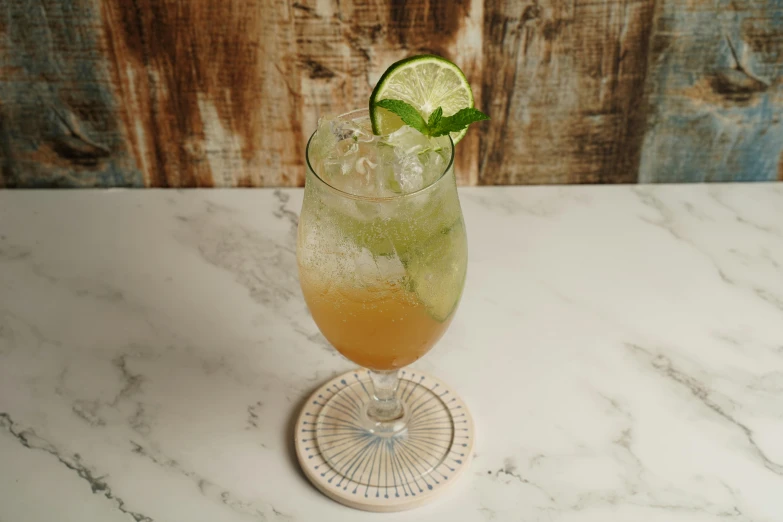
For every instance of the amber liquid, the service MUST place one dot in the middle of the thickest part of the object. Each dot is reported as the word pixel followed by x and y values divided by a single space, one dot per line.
pixel 381 328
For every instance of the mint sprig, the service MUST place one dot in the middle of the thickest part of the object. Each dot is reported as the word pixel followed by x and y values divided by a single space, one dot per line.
pixel 435 117
pixel 437 125
pixel 407 113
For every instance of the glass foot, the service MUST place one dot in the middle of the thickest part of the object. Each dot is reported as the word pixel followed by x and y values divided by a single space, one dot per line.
pixel 388 466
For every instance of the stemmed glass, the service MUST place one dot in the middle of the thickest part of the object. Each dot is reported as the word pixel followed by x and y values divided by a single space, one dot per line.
pixel 382 275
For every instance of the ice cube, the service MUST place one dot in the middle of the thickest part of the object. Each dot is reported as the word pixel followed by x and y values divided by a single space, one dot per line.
pixel 418 161
pixel 349 157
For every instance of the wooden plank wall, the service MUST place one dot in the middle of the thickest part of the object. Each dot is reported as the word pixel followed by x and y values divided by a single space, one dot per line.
pixel 716 92
pixel 201 93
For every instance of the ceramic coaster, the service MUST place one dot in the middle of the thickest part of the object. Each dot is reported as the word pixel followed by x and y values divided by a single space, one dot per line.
pixel 375 473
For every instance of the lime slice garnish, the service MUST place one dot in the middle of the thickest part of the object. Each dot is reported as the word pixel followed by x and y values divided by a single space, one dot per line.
pixel 426 82
pixel 436 271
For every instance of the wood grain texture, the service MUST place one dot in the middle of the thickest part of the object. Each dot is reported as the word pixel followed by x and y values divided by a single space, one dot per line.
pixel 565 90
pixel 202 93
pixel 716 92
pixel 58 125
pixel 208 93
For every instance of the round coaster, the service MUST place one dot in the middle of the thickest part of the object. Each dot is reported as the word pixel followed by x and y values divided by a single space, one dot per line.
pixel 375 473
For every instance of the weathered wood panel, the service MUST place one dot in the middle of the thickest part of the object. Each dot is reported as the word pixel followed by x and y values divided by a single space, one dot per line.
pixel 192 93
pixel 58 124
pixel 565 89
pixel 208 92
pixel 716 85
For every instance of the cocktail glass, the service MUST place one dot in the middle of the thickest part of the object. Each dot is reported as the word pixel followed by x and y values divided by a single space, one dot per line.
pixel 382 271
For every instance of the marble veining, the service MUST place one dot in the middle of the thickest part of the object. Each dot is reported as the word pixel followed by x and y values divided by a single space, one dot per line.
pixel 620 349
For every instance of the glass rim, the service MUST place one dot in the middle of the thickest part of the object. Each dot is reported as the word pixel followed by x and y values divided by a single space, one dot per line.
pixel 374 198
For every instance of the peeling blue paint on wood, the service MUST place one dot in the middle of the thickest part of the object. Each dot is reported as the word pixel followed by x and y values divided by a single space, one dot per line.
pixel 58 118
pixel 715 89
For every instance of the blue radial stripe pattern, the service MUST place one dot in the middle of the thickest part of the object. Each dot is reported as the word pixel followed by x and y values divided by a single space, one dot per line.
pixel 340 455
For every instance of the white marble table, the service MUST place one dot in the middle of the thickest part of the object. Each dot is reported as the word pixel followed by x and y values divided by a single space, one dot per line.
pixel 621 349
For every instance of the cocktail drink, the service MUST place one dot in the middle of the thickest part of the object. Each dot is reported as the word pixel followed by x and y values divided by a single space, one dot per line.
pixel 382 267
pixel 382 256
pixel 382 249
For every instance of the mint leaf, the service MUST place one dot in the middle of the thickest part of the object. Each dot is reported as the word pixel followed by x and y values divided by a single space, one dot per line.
pixel 435 118
pixel 438 125
pixel 407 114
pixel 458 121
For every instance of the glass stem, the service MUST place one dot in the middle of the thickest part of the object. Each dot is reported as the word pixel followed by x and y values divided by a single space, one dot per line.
pixel 386 406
